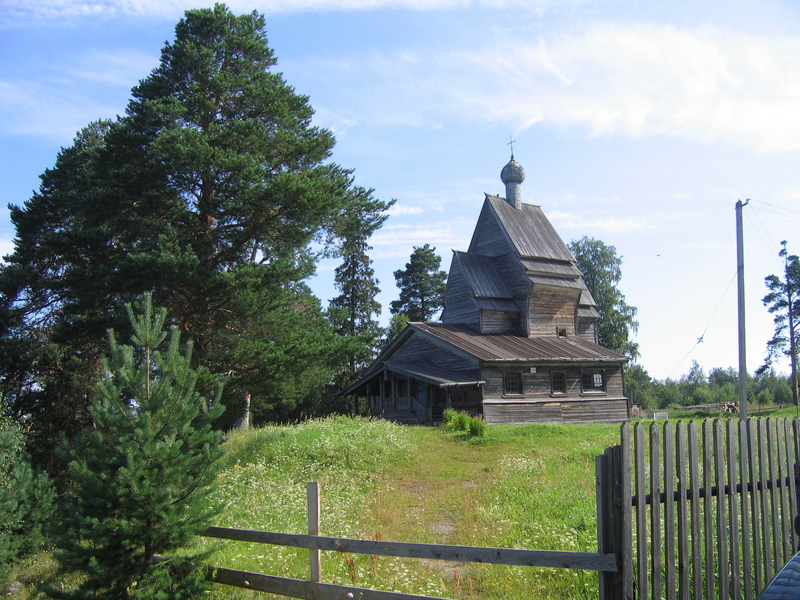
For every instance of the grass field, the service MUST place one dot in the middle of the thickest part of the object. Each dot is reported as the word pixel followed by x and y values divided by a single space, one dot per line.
pixel 521 486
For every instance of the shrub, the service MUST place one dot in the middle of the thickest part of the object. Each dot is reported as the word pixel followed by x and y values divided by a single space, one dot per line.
pixel 477 427
pixel 26 500
pixel 448 417
pixel 461 422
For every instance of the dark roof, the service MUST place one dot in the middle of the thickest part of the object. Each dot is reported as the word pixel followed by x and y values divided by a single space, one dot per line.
pixel 433 375
pixel 512 348
pixel 482 275
pixel 530 232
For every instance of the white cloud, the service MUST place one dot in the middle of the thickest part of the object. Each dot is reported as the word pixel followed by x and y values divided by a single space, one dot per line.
pixel 25 12
pixel 612 78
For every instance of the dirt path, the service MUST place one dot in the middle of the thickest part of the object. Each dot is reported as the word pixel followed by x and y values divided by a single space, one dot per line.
pixel 443 482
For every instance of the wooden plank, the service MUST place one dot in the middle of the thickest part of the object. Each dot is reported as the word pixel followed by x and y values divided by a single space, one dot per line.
pixel 656 577
pixel 721 520
pixel 500 556
pixel 307 590
pixel 623 491
pixel 766 532
pixel 792 432
pixel 758 556
pixel 684 559
pixel 733 510
pixel 708 511
pixel 314 555
pixel 783 496
pixel 694 486
pixel 785 491
pixel 669 511
pixel 744 497
pixel 642 586
pixel 772 460
pixel 602 482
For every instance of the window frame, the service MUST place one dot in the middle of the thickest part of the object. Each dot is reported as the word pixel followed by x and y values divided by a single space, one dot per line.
pixel 591 375
pixel 553 390
pixel 517 377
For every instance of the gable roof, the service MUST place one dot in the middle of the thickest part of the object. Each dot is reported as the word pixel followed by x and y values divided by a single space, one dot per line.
pixel 528 230
pixel 482 275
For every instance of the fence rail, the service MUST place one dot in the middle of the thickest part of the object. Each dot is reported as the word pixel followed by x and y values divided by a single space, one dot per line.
pixel 314 589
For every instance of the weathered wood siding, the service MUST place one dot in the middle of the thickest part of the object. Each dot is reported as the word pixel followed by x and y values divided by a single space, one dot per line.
pixel 459 306
pixel 496 321
pixel 538 385
pixel 587 329
pixel 551 309
pixel 600 410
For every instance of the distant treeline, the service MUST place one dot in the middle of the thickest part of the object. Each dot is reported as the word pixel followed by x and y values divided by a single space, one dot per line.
pixel 719 386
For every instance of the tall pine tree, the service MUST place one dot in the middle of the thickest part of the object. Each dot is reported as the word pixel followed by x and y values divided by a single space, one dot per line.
pixel 210 192
pixel 421 284
pixel 142 475
pixel 354 311
pixel 783 301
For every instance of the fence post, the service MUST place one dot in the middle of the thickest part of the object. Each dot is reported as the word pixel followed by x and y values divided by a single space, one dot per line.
pixel 614 530
pixel 312 493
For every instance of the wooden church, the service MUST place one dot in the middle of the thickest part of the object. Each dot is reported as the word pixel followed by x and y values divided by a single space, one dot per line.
pixel 517 340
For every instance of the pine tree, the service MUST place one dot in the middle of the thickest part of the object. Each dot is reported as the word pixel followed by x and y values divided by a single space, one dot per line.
pixel 142 475
pixel 783 301
pixel 210 192
pixel 355 309
pixel 421 284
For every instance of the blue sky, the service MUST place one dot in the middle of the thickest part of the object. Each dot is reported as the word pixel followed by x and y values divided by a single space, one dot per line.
pixel 638 123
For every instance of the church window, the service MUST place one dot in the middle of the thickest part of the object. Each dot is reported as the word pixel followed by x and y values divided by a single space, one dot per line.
pixel 558 383
pixel 512 383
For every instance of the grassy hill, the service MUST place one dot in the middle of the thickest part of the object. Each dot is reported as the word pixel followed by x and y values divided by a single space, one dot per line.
pixel 519 487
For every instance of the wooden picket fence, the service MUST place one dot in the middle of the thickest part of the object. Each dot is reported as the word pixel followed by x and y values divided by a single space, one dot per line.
pixel 712 508
pixel 684 513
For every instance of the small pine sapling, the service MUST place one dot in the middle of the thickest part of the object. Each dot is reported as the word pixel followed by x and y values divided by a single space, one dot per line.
pixel 142 477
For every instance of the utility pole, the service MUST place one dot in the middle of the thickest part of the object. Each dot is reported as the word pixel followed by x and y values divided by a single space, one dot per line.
pixel 740 281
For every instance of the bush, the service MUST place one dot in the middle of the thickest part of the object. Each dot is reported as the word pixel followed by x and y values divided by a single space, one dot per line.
pixel 461 421
pixel 448 417
pixel 477 427
pixel 26 500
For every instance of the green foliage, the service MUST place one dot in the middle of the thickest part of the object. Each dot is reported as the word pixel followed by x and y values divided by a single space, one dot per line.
pixel 397 324
pixel 422 285
pixel 461 421
pixel 602 271
pixel 783 301
pixel 354 311
pixel 216 193
pixel 142 475
pixel 26 500
pixel 477 427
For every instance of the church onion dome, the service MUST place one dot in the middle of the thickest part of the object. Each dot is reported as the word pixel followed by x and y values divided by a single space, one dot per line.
pixel 513 175
pixel 512 172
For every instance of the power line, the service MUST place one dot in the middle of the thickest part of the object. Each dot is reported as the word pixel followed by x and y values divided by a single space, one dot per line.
pixel 700 339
